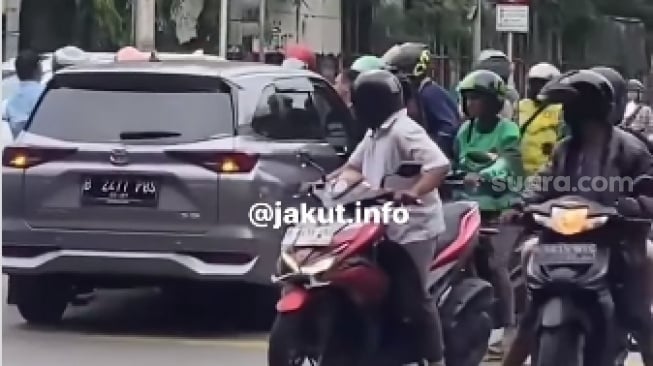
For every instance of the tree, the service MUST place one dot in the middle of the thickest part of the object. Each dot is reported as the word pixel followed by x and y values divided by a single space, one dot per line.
pixel 103 24
pixel 577 20
pixel 441 22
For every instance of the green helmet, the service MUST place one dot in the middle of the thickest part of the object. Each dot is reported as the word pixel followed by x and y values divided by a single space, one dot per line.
pixel 367 63
pixel 485 82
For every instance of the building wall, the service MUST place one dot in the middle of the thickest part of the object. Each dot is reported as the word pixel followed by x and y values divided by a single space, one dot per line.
pixel 319 24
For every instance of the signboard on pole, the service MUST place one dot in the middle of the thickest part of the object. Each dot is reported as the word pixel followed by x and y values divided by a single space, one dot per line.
pixel 512 18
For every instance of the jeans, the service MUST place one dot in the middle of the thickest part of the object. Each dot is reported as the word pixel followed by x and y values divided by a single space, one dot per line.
pixel 17 127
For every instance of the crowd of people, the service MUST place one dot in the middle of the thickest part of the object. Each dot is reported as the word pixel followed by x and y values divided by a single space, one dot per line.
pixel 603 130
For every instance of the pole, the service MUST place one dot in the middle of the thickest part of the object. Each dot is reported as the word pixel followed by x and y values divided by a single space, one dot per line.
pixel 262 15
pixel 478 30
pixel 12 29
pixel 224 27
pixel 509 53
pixel 145 24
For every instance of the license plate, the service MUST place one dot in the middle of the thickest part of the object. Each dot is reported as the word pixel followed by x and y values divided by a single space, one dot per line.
pixel 310 235
pixel 120 190
pixel 560 254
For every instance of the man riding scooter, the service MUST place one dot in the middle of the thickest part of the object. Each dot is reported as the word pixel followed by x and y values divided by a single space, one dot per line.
pixel 359 66
pixel 488 182
pixel 540 124
pixel 433 104
pixel 594 149
pixel 392 138
pixel 638 116
pixel 498 62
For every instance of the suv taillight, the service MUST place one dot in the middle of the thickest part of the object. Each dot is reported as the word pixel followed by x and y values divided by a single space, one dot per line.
pixel 20 157
pixel 226 162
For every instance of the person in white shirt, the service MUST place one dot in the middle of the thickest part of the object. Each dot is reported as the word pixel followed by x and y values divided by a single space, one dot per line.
pixel 638 116
pixel 394 138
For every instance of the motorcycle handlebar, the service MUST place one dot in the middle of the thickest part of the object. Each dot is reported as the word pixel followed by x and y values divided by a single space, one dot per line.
pixel 373 201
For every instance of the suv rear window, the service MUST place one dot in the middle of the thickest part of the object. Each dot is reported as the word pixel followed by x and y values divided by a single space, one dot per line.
pixel 83 115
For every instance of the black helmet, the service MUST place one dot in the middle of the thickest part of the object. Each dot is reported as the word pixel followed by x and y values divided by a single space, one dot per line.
pixel 584 94
pixel 486 83
pixel 409 58
pixel 620 89
pixel 376 95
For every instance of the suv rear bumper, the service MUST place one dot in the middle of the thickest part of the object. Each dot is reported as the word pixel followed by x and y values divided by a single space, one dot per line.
pixel 127 263
pixel 249 256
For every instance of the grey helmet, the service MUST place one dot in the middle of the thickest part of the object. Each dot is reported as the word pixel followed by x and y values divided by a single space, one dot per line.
pixel 635 85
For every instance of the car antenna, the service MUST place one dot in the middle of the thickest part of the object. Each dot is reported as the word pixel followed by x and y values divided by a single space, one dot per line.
pixel 154 57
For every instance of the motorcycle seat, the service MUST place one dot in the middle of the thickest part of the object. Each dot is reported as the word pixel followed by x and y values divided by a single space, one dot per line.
pixel 453 215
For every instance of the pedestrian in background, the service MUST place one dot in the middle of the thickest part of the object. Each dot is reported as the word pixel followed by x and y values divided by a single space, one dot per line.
pixel 20 105
pixel 427 102
pixel 343 87
pixel 638 116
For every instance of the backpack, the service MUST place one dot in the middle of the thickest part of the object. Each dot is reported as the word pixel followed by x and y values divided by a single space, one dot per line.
pixel 642 137
pixel 630 119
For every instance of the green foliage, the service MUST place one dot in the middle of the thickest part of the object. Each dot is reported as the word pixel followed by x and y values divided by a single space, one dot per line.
pixel 426 20
pixel 110 20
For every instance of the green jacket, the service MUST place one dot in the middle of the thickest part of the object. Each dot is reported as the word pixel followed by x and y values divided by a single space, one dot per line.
pixel 500 174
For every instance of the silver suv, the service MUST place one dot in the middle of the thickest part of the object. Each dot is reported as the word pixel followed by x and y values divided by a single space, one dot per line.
pixel 138 173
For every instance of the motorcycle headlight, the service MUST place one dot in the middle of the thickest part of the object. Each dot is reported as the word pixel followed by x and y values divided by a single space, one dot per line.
pixel 570 221
pixel 320 266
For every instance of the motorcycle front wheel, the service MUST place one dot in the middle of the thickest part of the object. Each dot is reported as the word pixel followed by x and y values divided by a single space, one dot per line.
pixel 287 346
pixel 562 346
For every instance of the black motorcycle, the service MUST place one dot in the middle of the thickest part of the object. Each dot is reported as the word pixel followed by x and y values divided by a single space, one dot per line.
pixel 572 277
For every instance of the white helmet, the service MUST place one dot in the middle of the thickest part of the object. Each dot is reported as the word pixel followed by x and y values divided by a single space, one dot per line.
pixel 490 53
pixel 293 63
pixel 544 71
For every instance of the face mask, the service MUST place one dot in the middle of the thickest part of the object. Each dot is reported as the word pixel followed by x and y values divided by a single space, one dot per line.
pixel 534 88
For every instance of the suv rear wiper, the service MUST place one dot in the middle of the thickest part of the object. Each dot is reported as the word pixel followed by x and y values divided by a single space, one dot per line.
pixel 145 135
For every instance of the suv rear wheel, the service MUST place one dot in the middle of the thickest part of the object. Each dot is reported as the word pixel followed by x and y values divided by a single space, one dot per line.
pixel 41 301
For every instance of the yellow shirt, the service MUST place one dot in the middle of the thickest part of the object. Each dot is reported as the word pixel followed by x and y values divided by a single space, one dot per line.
pixel 541 134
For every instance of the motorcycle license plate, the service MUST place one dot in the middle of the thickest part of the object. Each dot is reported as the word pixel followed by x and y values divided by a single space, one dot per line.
pixel 560 254
pixel 310 235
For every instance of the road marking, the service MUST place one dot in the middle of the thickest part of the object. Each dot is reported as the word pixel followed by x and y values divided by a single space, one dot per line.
pixel 252 344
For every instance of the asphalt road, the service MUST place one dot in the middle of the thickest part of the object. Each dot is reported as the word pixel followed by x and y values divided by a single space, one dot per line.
pixel 136 328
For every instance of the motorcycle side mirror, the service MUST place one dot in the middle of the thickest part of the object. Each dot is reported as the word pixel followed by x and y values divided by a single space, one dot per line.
pixel 409 169
pixel 643 185
pixel 305 160
pixel 482 157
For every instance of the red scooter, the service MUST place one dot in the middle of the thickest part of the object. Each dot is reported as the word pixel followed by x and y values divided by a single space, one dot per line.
pixel 337 306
